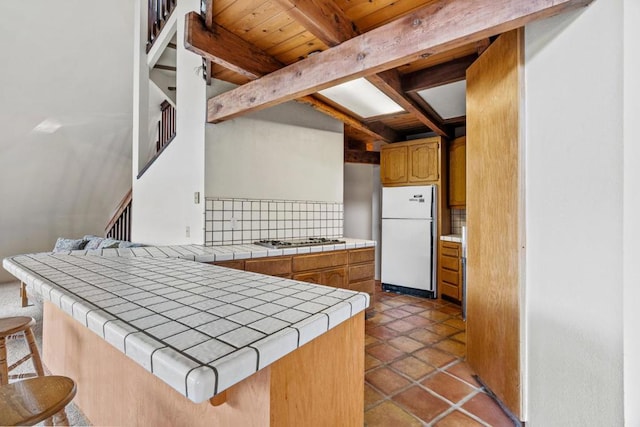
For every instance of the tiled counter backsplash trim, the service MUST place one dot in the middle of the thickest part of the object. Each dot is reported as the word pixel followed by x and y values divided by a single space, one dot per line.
pixel 458 219
pixel 240 221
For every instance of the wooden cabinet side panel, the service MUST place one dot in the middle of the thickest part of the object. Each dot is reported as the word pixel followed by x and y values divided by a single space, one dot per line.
pixel 493 216
pixel 458 173
pixel 335 395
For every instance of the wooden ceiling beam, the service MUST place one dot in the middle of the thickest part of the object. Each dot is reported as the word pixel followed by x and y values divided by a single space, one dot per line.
pixel 222 47
pixel 322 18
pixel 203 42
pixel 390 83
pixel 359 156
pixel 438 75
pixel 434 28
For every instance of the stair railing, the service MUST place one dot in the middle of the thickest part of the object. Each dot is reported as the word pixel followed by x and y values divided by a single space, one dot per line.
pixel 119 227
pixel 166 125
pixel 159 13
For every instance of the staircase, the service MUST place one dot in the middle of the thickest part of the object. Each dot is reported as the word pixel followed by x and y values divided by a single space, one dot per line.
pixel 119 227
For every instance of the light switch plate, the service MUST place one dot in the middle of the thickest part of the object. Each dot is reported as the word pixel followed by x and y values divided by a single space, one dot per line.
pixel 196 197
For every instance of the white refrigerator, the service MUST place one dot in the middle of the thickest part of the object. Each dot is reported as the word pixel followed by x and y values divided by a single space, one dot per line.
pixel 408 230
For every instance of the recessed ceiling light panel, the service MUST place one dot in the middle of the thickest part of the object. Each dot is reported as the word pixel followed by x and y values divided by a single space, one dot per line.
pixel 362 98
pixel 448 100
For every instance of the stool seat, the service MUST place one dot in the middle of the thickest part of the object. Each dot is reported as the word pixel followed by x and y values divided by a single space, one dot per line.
pixel 11 325
pixel 33 400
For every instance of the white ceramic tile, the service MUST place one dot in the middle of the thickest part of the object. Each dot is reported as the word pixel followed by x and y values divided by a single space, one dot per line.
pixel 140 347
pixel 245 317
pixel 235 367
pixel 180 312
pixel 186 339
pixel 210 350
pixel 201 384
pixel 291 315
pixel 149 321
pixel 241 337
pixel 311 307
pixel 312 327
pixel 172 368
pixel 358 303
pixel 167 329
pixel 338 313
pixel 218 327
pixel 115 332
pixel 96 320
pixel 268 325
pixel 81 309
pixel 197 319
pixel 66 304
pixel 273 347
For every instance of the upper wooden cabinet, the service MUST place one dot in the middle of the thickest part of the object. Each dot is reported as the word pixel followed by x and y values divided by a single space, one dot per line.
pixel 393 164
pixel 411 163
pixel 458 173
pixel 423 162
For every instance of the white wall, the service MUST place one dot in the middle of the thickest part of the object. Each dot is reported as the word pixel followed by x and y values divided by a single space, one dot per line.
pixel 574 199
pixel 362 204
pixel 289 152
pixel 163 198
pixel 631 231
pixel 60 69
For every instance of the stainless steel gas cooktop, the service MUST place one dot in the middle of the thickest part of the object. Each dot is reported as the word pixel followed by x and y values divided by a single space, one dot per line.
pixel 311 241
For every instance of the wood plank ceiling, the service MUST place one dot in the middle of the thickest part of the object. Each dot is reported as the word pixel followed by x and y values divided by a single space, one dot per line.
pixel 244 40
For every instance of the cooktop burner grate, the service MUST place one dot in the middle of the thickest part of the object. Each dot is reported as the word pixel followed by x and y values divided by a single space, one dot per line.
pixel 311 241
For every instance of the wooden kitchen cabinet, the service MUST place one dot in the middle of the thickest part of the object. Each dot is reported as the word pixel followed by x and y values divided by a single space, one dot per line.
pixel 393 164
pixel 450 269
pixel 423 162
pixel 458 173
pixel 347 269
pixel 411 163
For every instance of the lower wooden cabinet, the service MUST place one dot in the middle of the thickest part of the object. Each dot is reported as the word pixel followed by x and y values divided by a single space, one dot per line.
pixel 449 270
pixel 347 269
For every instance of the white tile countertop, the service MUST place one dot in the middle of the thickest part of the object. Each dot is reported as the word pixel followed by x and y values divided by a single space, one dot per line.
pixel 198 327
pixel 452 238
pixel 221 253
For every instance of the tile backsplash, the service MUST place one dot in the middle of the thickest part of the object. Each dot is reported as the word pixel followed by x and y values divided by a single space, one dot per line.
pixel 231 221
pixel 458 219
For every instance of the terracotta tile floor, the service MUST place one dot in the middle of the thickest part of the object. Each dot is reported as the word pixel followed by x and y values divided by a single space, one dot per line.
pixel 415 374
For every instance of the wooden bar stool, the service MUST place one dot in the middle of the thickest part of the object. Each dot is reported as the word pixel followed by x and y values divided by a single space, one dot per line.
pixel 10 326
pixel 33 400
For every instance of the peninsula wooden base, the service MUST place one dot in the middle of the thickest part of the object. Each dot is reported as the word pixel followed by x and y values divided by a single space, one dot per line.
pixel 319 384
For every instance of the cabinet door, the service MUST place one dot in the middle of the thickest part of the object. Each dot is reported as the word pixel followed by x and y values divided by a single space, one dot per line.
pixel 336 277
pixel 423 162
pixel 393 165
pixel 313 277
pixel 458 173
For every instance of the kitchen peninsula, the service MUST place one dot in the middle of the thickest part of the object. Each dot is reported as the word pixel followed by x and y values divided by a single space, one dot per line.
pixel 157 340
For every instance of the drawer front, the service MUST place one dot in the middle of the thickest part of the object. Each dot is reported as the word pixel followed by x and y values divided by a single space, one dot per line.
pixel 275 266
pixel 450 290
pixel 449 277
pixel 358 273
pixel 362 255
pixel 236 265
pixel 450 263
pixel 449 251
pixel 318 261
